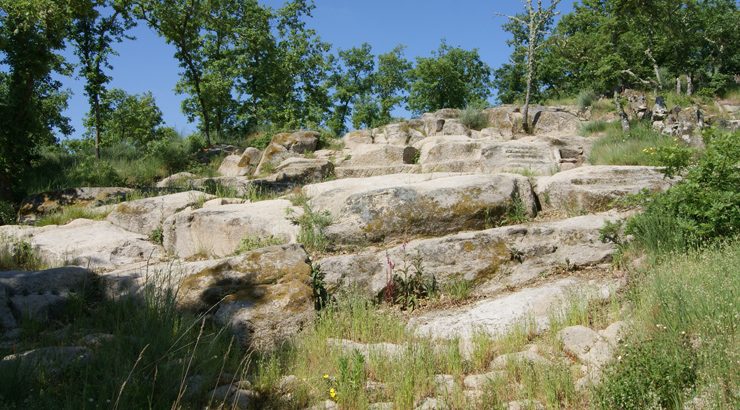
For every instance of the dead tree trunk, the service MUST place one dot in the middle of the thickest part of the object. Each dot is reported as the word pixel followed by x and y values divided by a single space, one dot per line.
pixel 678 85
pixel 689 85
pixel 622 115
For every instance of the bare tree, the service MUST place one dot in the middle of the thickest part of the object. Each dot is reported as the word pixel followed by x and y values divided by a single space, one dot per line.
pixel 534 21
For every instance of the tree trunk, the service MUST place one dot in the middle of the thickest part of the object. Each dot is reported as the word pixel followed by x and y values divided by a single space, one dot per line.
pixel 530 73
pixel 622 115
pixel 96 107
pixel 689 85
pixel 678 85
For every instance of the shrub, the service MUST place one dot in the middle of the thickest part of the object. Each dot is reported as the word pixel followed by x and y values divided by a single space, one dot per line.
pixel 7 213
pixel 704 206
pixel 585 99
pixel 408 284
pixel 474 118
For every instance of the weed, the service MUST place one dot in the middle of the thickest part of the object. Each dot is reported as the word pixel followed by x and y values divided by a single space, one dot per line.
pixel 611 232
pixel 408 284
pixel 250 243
pixel 634 148
pixel 70 213
pixel 312 229
pixel 320 294
pixel 457 289
pixel 585 99
pixel 516 211
pixel 594 127
pixel 18 254
pixel 157 236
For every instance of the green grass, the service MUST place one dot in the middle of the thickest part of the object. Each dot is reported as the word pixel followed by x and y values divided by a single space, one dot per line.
pixel 18 255
pixel 617 148
pixel 685 338
pixel 250 243
pixel 474 118
pixel 595 127
pixel 71 213
pixel 312 228
pixel 153 350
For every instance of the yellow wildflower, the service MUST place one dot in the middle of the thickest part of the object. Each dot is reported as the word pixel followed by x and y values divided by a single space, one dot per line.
pixel 326 376
pixel 332 393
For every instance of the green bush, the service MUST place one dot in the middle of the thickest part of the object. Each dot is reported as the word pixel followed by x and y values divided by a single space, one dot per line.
pixel 704 206
pixel 474 118
pixel 585 99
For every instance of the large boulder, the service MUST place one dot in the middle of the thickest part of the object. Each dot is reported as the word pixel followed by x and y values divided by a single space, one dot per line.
pixel 490 260
pixel 395 206
pixel 299 142
pixel 297 171
pixel 180 179
pixel 240 165
pixel 496 315
pixel 379 159
pixel 595 188
pixel 218 231
pixel 264 295
pixel 97 245
pixel 37 295
pixel 147 215
pixel 544 120
pixel 36 206
pixel 464 154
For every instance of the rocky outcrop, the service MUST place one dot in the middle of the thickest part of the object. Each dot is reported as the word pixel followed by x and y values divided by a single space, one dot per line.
pixel 180 179
pixel 35 206
pixel 39 295
pixel 463 154
pixel 496 315
pixel 146 215
pixel 97 245
pixel 595 188
pixel 217 231
pixel 240 165
pixel 297 171
pixel 264 295
pixel 394 206
pixel 284 146
pixel 493 259
pixel 379 159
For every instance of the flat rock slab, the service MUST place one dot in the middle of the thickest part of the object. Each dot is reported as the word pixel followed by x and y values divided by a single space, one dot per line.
pixel 378 208
pixel 492 259
pixel 146 215
pixel 264 295
pixel 218 231
pixel 97 245
pixel 464 154
pixel 498 315
pixel 595 188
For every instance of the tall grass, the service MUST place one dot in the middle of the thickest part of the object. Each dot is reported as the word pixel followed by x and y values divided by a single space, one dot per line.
pixel 618 148
pixel 147 362
pixel 71 213
pixel 685 338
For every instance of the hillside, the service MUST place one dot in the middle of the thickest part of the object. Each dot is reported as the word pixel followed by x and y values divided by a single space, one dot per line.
pixel 448 261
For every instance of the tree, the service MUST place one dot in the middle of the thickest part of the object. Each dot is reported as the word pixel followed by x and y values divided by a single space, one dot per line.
pixel 391 81
pixel 132 118
pixel 451 78
pixel 352 80
pixel 31 101
pixel 535 22
pixel 93 37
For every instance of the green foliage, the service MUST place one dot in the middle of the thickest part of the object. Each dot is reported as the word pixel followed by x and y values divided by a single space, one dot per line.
pixel 18 255
pixel 474 118
pixel 133 119
pixel 611 232
pixel 674 159
pixel 318 286
pixel 638 147
pixel 352 81
pixel 594 127
pixel 516 211
pixel 312 229
pixel 157 236
pixel 585 99
pixel 683 333
pixel 457 289
pixel 69 214
pixel 250 243
pixel 702 207
pixel 451 78
pixel 7 213
pixel 408 283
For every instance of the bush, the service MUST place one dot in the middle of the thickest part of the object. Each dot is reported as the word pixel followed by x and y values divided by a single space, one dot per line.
pixel 474 118
pixel 704 206
pixel 585 99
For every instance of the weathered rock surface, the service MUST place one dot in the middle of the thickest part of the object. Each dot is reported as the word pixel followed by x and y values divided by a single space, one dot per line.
pixel 299 142
pixel 392 206
pixel 37 295
pixel 180 179
pixel 497 315
pixel 297 171
pixel 240 165
pixel 545 121
pixel 97 245
pixel 36 206
pixel 594 188
pixel 493 259
pixel 479 381
pixel 527 356
pixel 464 154
pixel 379 159
pixel 145 215
pixel 264 295
pixel 217 231
pixel 380 349
pixel 586 345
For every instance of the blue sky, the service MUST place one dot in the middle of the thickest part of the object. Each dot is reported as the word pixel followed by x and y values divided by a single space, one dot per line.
pixel 147 63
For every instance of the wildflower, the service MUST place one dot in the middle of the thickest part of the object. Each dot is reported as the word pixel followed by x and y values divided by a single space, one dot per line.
pixel 326 376
pixel 332 393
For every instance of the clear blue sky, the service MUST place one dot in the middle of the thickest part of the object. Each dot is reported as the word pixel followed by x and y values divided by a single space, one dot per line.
pixel 147 63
